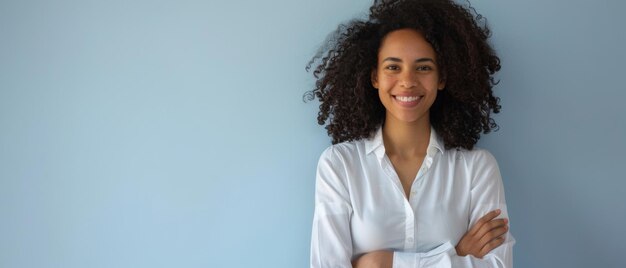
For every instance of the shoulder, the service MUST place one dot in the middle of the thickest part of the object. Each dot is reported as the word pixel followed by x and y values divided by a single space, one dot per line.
pixel 479 164
pixel 474 162
pixel 344 152
pixel 476 156
pixel 333 172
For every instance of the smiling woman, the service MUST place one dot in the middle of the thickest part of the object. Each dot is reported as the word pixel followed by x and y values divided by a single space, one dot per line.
pixel 406 95
pixel 407 78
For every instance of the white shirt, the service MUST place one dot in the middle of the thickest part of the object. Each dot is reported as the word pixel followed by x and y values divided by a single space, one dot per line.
pixel 360 206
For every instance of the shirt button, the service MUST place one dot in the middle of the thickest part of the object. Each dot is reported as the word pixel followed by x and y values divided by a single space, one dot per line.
pixel 410 239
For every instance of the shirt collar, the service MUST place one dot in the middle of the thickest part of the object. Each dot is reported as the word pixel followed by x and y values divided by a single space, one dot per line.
pixel 375 143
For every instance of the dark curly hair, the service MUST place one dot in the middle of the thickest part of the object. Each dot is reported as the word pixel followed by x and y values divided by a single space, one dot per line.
pixel 466 62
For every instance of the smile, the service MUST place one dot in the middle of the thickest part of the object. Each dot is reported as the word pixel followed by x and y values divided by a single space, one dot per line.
pixel 408 101
pixel 407 98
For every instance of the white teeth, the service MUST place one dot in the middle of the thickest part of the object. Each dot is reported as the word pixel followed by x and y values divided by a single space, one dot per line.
pixel 407 98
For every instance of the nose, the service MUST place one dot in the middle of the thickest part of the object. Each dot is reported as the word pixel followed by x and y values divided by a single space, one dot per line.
pixel 408 79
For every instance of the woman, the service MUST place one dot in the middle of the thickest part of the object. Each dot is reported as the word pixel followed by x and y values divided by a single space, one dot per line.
pixel 406 94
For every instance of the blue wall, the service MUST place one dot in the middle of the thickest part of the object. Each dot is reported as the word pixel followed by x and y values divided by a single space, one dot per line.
pixel 173 133
pixel 561 144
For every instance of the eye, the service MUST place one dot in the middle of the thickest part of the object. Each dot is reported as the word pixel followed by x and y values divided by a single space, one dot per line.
pixel 392 68
pixel 424 68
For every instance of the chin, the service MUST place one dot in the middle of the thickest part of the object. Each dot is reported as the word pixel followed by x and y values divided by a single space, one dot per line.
pixel 409 119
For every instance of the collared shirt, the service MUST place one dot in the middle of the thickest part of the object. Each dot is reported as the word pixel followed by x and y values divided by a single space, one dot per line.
pixel 360 206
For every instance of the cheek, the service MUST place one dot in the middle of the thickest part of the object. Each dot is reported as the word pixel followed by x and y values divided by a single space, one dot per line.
pixel 386 81
pixel 430 81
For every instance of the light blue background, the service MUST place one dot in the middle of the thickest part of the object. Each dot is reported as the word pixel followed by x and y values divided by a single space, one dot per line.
pixel 173 133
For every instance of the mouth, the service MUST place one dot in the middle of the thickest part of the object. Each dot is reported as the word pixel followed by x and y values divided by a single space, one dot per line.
pixel 407 101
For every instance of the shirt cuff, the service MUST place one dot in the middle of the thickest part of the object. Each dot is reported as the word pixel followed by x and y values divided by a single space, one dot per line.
pixel 405 259
pixel 413 260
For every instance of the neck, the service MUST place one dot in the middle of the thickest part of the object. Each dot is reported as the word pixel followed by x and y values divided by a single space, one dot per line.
pixel 406 140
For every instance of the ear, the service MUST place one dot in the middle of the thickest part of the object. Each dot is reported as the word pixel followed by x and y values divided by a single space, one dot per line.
pixel 374 78
pixel 442 84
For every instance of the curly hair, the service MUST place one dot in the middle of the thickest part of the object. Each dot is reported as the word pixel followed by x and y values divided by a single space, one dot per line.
pixel 467 62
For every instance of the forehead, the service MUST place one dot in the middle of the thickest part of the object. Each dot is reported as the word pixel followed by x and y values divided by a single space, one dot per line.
pixel 406 44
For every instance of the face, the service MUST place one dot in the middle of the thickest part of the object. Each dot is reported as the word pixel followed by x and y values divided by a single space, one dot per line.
pixel 407 76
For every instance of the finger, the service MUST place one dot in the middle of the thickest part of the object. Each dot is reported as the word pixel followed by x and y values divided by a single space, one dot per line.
pixel 487 227
pixel 493 234
pixel 487 236
pixel 488 217
pixel 490 246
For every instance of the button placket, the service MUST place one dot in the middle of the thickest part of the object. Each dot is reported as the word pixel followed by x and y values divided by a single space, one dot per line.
pixel 409 241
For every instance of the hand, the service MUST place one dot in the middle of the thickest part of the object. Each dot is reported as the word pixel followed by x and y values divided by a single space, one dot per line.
pixel 485 235
pixel 374 259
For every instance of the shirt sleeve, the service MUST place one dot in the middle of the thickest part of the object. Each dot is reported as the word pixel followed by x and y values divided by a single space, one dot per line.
pixel 331 240
pixel 487 194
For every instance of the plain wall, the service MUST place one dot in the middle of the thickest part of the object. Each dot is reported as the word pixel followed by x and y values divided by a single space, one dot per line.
pixel 173 133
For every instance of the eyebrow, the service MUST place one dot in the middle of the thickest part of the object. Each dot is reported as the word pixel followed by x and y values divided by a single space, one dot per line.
pixel 416 61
